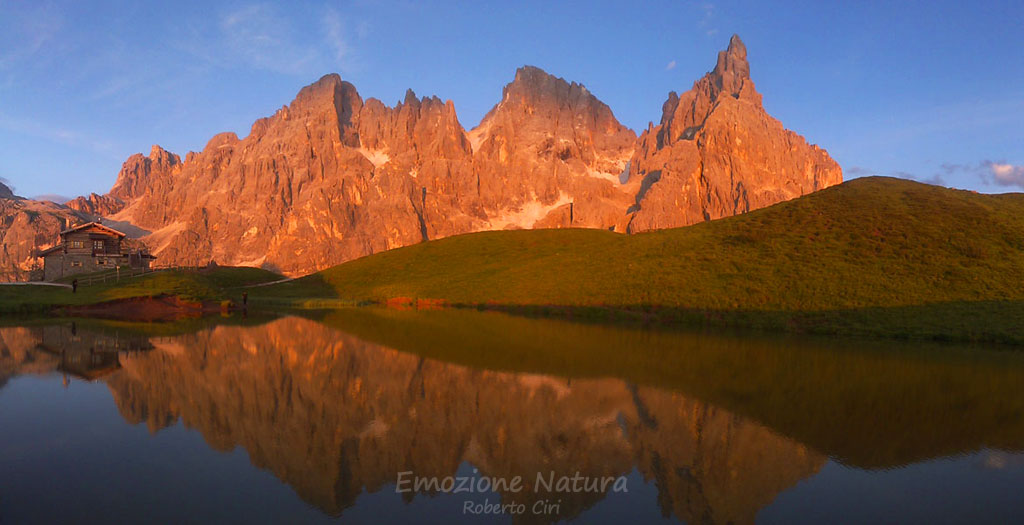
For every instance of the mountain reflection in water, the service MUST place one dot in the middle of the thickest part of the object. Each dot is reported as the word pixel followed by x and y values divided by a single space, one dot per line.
pixel 337 405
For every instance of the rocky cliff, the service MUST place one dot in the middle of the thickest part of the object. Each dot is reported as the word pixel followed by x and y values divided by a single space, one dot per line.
pixel 332 177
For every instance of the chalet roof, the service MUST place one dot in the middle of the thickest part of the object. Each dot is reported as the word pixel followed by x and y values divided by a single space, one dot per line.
pixel 94 225
pixel 50 250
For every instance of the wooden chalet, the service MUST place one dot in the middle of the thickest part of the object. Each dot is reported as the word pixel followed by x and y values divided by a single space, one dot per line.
pixel 89 248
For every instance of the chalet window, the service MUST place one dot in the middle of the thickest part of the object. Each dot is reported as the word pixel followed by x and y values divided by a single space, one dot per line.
pixel 97 246
pixel 75 264
pixel 77 244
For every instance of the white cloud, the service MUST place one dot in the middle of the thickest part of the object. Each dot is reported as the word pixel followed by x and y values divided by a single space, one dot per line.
pixel 1004 174
pixel 998 173
pixel 671 65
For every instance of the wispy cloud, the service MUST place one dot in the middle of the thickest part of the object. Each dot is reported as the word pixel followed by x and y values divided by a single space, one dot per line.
pixel 263 39
pixel 936 179
pixel 52 197
pixel 261 36
pixel 671 65
pixel 706 21
pixel 858 171
pixel 26 30
pixel 59 134
pixel 334 34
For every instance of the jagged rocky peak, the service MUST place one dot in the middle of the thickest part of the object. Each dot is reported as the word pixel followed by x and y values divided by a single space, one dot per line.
pixel 717 153
pixel 421 126
pixel 138 172
pixel 682 115
pixel 539 90
pixel 162 157
pixel 547 113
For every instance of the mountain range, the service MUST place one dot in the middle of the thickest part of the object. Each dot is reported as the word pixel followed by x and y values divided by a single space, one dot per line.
pixel 332 176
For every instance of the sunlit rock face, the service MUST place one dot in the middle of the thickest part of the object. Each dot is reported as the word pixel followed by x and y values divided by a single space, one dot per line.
pixel 717 153
pixel 332 177
pixel 334 416
pixel 25 227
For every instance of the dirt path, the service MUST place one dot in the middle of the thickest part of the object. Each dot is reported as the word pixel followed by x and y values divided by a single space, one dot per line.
pixel 37 284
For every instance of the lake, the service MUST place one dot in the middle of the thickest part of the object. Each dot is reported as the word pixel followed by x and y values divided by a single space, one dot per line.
pixel 373 415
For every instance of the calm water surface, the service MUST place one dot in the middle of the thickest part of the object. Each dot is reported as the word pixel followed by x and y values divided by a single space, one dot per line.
pixel 311 419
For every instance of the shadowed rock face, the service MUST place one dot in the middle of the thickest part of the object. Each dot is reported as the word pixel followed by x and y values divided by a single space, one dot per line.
pixel 332 177
pixel 334 416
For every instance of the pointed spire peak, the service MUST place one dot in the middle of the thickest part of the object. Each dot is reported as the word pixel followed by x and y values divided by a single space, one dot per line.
pixel 410 97
pixel 733 60
pixel 736 46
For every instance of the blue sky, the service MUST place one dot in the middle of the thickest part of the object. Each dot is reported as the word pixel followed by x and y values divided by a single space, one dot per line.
pixel 926 90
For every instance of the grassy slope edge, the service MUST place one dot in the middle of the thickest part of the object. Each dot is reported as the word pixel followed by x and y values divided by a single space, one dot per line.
pixel 191 285
pixel 873 256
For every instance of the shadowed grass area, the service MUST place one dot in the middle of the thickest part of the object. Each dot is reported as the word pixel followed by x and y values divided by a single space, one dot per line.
pixel 869 404
pixel 841 260
pixel 192 285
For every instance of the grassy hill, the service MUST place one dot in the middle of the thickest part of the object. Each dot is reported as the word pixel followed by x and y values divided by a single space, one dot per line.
pixel 875 256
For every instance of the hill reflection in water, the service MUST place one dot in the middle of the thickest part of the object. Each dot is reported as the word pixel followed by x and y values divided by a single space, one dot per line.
pixel 338 404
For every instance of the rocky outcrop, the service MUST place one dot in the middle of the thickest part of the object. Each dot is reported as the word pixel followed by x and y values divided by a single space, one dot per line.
pixel 5 192
pixel 332 177
pixel 717 153
pixel 97 205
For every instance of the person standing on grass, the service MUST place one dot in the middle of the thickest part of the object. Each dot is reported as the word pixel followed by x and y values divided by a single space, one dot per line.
pixel 74 286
